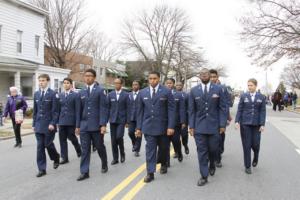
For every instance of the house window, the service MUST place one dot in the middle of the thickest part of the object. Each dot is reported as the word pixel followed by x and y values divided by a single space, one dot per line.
pixel 56 85
pixel 37 44
pixel 81 68
pixel 19 41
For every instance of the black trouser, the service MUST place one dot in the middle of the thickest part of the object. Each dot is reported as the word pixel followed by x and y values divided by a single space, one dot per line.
pixel 117 141
pixel 17 131
pixel 185 136
pixel 221 147
pixel 136 141
pixel 67 132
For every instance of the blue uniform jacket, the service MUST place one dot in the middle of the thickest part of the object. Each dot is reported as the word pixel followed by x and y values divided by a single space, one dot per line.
pixel 132 108
pixel 118 108
pixel 207 116
pixel 45 111
pixel 251 112
pixel 180 109
pixel 69 109
pixel 93 109
pixel 156 115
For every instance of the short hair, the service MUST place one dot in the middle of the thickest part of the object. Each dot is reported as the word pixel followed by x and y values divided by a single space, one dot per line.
pixel 204 70
pixel 122 81
pixel 90 70
pixel 213 71
pixel 155 72
pixel 68 79
pixel 253 80
pixel 137 81
pixel 171 79
pixel 14 88
pixel 46 76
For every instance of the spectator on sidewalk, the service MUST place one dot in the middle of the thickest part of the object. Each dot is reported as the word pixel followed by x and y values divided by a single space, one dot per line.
pixel 286 99
pixel 294 100
pixel 15 103
pixel 277 100
pixel 1 114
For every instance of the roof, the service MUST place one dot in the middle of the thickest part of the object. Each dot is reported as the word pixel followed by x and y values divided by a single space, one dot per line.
pixel 8 61
pixel 29 7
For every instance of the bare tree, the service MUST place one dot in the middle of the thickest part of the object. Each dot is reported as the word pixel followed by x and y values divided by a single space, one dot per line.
pixel 291 75
pixel 64 29
pixel 155 35
pixel 99 46
pixel 273 31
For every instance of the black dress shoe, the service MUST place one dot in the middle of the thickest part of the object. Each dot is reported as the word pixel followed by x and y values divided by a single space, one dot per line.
pixel 149 178
pixel 16 145
pixel 114 162
pixel 94 149
pixel 186 150
pixel 104 169
pixel 41 173
pixel 19 145
pixel 168 164
pixel 175 155
pixel 180 157
pixel 212 171
pixel 136 154
pixel 202 181
pixel 254 163
pixel 163 169
pixel 79 154
pixel 65 161
pixel 56 162
pixel 83 176
pixel 248 170
pixel 122 158
pixel 219 164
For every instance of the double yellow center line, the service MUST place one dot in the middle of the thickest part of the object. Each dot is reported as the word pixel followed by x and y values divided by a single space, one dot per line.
pixel 136 188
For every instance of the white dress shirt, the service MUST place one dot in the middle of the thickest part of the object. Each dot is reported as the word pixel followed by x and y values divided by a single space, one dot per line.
pixel 207 86
pixel 118 94
pixel 156 89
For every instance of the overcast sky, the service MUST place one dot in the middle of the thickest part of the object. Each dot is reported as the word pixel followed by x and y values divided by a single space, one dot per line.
pixel 215 29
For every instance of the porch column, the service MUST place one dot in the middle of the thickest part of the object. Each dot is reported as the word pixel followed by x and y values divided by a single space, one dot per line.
pixel 17 78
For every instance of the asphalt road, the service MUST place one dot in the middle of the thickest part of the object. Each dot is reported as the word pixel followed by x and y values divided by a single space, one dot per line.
pixel 276 177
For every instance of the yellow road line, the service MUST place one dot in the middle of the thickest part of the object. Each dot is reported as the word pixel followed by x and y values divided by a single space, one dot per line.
pixel 124 183
pixel 131 194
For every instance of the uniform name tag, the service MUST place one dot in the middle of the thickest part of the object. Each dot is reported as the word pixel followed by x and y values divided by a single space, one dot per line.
pixel 47 100
pixel 259 100
pixel 246 100
pixel 215 96
pixel 176 99
pixel 113 100
pixel 145 98
pixel 82 97
pixel 197 98
pixel 163 99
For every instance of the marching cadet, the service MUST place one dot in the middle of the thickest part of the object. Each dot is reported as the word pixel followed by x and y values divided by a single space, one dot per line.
pixel 214 78
pixel 69 116
pixel 45 118
pixel 93 120
pixel 250 119
pixel 117 104
pixel 207 119
pixel 180 120
pixel 132 110
pixel 155 119
pixel 184 131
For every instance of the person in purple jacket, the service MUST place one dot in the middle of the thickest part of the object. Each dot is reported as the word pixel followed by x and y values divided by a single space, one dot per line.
pixel 15 102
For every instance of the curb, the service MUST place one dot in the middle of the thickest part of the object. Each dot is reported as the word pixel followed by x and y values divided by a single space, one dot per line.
pixel 293 111
pixel 10 137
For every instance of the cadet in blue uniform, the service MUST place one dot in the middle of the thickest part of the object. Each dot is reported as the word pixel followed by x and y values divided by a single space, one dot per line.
pixel 214 78
pixel 207 119
pixel 184 131
pixel 69 116
pixel 132 112
pixel 155 119
pixel 117 104
pixel 93 120
pixel 250 118
pixel 180 120
pixel 45 118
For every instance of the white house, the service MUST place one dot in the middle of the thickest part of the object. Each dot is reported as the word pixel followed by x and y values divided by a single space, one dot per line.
pixel 22 48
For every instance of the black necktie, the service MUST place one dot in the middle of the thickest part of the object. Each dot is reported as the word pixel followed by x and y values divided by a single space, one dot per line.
pixel 153 92
pixel 205 91
pixel 89 92
pixel 43 94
